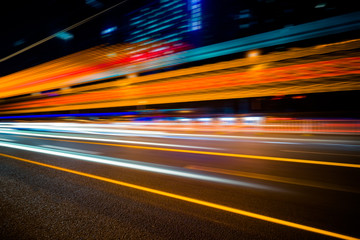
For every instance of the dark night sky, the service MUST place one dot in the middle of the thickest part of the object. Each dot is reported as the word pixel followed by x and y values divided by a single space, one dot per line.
pixel 26 22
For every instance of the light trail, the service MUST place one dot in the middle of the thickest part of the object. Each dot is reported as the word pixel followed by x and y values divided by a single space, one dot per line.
pixel 193 200
pixel 324 153
pixel 70 149
pixel 156 132
pixel 131 164
pixel 106 140
pixel 5 139
pixel 273 178
pixel 236 155
pixel 223 154
pixel 283 142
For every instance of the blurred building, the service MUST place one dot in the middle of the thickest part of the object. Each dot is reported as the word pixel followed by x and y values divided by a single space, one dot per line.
pixel 166 21
pixel 230 19
pixel 204 22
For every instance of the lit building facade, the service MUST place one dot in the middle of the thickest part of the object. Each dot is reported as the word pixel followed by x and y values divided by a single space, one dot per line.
pixel 166 21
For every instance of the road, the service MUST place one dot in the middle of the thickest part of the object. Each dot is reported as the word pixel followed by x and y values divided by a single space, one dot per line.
pixel 82 183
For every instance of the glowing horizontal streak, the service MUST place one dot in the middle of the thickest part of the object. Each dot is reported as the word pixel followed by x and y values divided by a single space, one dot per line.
pixel 5 139
pixel 192 200
pixel 77 128
pixel 279 74
pixel 267 158
pixel 70 149
pixel 149 167
pixel 107 140
pixel 151 133
pixel 282 142
pixel 337 154
pixel 280 159
pixel 319 141
pixel 71 115
pixel 272 178
pixel 315 86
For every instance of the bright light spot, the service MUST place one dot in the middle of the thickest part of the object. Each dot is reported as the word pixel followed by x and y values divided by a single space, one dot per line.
pixel 64 35
pixel 204 119
pixel 320 5
pixel 111 55
pixel 253 53
pixel 184 111
pixel 227 119
pixel 298 97
pixel 159 49
pixel 184 119
pixel 253 120
pixel 108 30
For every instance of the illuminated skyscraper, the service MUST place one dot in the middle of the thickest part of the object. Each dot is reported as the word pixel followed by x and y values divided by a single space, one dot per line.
pixel 166 21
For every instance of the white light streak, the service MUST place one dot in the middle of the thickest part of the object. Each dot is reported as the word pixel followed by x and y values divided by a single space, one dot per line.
pixel 5 139
pixel 107 140
pixel 283 142
pixel 70 149
pixel 149 167
pixel 99 128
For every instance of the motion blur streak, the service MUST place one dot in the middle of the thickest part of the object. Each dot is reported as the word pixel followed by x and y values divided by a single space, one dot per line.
pixel 238 125
pixel 267 158
pixel 293 160
pixel 4 139
pixel 107 140
pixel 272 178
pixel 259 79
pixel 79 128
pixel 139 129
pixel 99 130
pixel 157 168
pixel 193 200
pixel 155 129
pixel 338 154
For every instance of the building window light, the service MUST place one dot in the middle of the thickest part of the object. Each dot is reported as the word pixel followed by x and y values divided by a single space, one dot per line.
pixel 244 15
pixel 320 5
pixel 108 30
pixel 246 25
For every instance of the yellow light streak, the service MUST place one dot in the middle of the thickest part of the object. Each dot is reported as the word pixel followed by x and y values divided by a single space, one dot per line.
pixel 96 55
pixel 302 87
pixel 236 155
pixel 271 178
pixel 191 200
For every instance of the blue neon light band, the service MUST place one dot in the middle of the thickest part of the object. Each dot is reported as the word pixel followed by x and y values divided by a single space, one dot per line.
pixel 72 115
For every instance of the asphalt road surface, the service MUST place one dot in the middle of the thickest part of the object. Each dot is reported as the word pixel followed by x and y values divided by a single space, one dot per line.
pixel 124 184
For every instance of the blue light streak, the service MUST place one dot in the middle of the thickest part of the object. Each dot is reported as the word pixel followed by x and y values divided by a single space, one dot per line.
pixel 108 30
pixel 71 115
